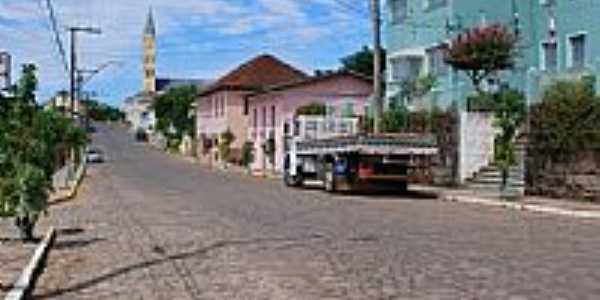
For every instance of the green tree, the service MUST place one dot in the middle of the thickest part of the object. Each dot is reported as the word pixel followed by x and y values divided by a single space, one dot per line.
pixel 172 112
pixel 509 113
pixel 29 144
pixel 361 61
pixel 98 111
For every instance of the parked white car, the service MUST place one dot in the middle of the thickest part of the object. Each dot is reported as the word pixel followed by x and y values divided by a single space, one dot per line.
pixel 94 155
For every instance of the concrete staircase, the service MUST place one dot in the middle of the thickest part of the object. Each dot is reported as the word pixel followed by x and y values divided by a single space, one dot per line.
pixel 488 180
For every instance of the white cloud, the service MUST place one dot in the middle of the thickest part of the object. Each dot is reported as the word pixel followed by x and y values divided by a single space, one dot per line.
pixel 186 28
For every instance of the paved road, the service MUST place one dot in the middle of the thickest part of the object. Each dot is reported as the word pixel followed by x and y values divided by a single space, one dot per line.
pixel 147 226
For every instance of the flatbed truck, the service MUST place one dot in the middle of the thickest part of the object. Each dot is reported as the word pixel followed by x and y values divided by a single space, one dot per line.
pixel 332 151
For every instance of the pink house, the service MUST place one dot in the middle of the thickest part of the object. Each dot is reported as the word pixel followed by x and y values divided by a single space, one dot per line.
pixel 223 106
pixel 344 93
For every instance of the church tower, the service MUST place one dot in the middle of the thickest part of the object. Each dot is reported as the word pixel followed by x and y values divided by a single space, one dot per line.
pixel 149 62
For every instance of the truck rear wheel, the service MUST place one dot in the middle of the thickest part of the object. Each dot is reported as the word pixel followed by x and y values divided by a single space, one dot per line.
pixel 329 180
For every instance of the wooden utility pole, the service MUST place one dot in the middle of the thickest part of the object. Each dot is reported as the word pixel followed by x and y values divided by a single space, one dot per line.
pixel 377 72
pixel 73 70
pixel 74 89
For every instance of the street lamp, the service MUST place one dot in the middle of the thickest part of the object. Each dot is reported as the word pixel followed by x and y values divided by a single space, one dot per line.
pixel 81 81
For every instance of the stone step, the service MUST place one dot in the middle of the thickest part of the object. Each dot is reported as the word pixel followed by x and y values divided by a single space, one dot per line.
pixel 484 180
pixel 495 185
pixel 498 174
pixel 493 168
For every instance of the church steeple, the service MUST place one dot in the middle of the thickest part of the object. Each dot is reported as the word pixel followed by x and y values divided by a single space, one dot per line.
pixel 150 28
pixel 149 62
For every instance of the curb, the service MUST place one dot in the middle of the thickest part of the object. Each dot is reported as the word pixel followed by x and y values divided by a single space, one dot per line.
pixel 72 192
pixel 26 282
pixel 583 214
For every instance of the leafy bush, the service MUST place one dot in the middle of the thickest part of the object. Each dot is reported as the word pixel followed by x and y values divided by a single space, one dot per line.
pixel 247 154
pixel 568 119
pixel 312 109
pixel 225 142
pixel 394 119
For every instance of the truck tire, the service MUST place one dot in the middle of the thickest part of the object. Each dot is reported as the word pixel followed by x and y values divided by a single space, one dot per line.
pixel 329 178
pixel 293 181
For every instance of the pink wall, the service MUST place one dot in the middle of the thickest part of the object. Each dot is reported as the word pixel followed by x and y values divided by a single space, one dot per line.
pixel 218 112
pixel 334 91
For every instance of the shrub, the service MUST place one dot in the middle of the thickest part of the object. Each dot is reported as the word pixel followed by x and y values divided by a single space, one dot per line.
pixel 312 109
pixel 247 154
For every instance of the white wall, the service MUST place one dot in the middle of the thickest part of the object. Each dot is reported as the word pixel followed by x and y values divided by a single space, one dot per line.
pixel 476 146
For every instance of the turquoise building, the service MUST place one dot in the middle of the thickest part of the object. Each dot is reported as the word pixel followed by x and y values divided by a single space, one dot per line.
pixel 557 39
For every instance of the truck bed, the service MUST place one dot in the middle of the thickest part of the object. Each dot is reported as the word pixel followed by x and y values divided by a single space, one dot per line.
pixel 386 144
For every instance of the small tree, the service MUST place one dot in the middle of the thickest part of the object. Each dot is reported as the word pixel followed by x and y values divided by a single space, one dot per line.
pixel 225 142
pixel 481 53
pixel 247 155
pixel 509 113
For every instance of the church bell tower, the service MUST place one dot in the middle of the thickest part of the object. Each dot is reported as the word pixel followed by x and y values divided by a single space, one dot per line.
pixel 149 62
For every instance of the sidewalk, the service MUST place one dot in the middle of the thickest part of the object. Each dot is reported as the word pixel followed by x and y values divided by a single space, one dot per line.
pixel 571 208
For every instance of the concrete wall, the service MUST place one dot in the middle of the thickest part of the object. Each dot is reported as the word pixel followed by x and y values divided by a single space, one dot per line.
pixel 476 143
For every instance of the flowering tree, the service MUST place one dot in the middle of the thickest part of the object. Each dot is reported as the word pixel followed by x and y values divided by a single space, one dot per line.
pixel 482 51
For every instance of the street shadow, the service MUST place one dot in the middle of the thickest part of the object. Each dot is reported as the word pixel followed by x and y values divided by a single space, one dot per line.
pixel 165 259
pixel 72 244
pixel 61 201
pixel 393 194
pixel 70 231
pixel 15 240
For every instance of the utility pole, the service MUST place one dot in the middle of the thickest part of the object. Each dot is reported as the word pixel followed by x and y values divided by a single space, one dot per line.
pixel 74 90
pixel 377 72
pixel 73 76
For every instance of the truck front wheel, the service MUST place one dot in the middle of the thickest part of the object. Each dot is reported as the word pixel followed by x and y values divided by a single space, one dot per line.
pixel 293 180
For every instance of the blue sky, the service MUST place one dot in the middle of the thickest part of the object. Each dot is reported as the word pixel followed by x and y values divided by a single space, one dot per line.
pixel 196 38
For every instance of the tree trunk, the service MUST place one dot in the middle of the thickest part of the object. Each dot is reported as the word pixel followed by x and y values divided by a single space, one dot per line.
pixel 25 225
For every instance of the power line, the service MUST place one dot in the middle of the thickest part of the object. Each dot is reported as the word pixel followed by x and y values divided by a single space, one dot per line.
pixel 57 38
pixel 349 7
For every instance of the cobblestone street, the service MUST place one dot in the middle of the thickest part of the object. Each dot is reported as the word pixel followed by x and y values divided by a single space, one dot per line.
pixel 149 226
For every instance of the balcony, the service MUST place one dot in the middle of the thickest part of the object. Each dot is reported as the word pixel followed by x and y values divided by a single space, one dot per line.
pixel 260 133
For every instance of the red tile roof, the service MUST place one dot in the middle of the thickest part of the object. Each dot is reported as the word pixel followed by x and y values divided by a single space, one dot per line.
pixel 257 74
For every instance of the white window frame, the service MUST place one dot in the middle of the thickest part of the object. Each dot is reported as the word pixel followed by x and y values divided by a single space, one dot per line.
pixel 570 62
pixel 428 5
pixel 543 56
pixel 428 61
